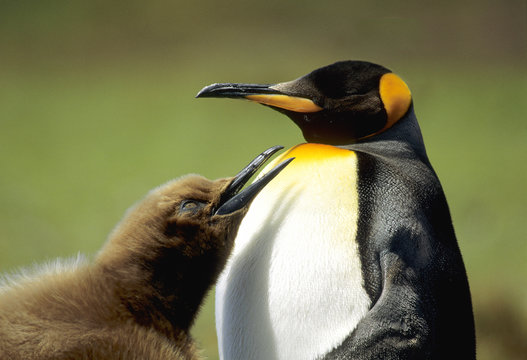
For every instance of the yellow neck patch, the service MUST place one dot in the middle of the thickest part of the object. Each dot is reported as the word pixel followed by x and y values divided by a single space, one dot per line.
pixel 292 103
pixel 313 163
pixel 395 96
pixel 314 152
pixel 308 154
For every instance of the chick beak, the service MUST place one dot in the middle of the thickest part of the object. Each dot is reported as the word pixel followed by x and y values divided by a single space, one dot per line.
pixel 264 94
pixel 232 199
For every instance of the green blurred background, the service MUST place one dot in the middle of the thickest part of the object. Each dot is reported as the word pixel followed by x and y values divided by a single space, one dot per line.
pixel 97 106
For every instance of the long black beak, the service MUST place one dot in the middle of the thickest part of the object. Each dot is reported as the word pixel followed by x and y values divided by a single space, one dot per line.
pixel 232 199
pixel 264 94
pixel 235 91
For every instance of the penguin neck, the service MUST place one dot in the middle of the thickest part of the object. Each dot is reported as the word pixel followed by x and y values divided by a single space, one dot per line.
pixel 404 138
pixel 153 291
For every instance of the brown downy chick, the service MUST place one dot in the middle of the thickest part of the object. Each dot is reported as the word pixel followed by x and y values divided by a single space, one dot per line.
pixel 140 296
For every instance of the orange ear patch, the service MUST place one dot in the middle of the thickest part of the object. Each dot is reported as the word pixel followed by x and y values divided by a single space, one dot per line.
pixel 395 96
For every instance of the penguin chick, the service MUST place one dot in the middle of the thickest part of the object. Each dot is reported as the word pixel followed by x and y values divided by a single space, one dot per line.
pixel 140 296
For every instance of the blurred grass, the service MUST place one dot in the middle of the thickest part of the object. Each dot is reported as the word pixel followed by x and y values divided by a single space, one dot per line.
pixel 97 106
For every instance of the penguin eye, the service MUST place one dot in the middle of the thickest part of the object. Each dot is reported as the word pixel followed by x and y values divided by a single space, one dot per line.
pixel 190 207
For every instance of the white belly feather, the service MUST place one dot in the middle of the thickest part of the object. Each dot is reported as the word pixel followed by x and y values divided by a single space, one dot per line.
pixel 292 288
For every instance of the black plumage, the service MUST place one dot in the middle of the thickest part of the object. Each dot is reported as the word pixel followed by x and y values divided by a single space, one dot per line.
pixel 410 262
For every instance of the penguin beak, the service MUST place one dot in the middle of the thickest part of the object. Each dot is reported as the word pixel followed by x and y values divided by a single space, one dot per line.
pixel 263 94
pixel 232 199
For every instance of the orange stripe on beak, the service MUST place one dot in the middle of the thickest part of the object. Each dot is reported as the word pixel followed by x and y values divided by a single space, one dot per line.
pixel 286 102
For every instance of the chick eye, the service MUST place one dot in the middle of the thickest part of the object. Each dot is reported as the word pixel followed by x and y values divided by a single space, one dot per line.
pixel 190 206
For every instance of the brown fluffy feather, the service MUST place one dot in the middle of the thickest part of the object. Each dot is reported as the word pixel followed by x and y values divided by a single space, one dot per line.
pixel 140 296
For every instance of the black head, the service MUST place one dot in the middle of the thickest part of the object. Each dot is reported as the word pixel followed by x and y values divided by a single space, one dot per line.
pixel 336 104
pixel 170 247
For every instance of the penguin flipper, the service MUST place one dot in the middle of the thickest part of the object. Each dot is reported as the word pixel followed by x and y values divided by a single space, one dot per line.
pixel 406 321
pixel 395 327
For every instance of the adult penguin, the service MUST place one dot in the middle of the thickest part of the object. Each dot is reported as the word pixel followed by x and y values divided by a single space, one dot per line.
pixel 351 254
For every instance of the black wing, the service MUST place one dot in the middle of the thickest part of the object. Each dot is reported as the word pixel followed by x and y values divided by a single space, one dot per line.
pixel 412 267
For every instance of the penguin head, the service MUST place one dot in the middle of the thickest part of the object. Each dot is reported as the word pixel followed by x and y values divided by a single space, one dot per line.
pixel 337 104
pixel 198 217
pixel 172 245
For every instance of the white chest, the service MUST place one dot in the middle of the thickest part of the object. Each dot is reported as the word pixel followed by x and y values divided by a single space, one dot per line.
pixel 292 288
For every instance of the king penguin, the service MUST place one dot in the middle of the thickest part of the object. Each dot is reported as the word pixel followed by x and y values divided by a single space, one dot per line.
pixel 140 296
pixel 351 253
